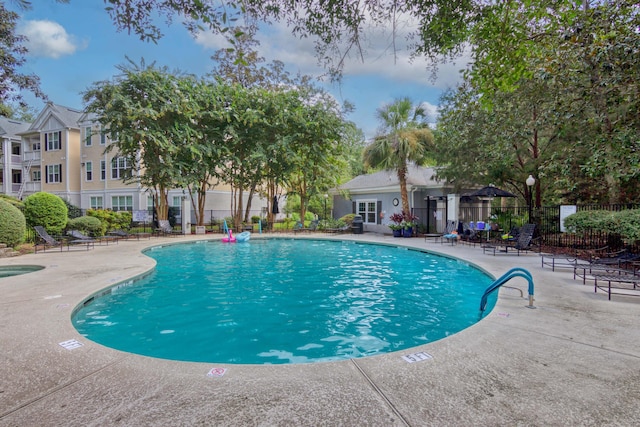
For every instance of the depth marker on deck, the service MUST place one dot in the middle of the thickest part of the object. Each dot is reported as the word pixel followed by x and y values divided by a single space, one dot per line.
pixel 70 344
pixel 417 357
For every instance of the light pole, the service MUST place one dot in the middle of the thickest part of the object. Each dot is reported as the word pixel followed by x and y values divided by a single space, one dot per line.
pixel 530 182
pixel 324 217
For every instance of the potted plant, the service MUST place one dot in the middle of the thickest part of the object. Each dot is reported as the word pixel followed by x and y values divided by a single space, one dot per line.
pixel 408 224
pixel 396 225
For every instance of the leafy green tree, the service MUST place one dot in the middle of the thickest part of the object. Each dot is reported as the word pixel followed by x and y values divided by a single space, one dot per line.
pixel 144 109
pixel 12 58
pixel 406 140
pixel 316 146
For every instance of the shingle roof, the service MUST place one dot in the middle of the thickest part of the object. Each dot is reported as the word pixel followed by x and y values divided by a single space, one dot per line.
pixel 417 176
pixel 10 127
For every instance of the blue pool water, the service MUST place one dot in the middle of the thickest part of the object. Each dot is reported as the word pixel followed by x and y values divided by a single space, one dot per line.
pixel 285 301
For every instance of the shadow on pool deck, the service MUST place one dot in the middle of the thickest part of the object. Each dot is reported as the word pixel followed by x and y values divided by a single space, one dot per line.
pixel 574 360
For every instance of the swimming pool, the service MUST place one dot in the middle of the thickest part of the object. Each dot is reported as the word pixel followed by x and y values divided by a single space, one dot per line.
pixel 285 301
pixel 16 270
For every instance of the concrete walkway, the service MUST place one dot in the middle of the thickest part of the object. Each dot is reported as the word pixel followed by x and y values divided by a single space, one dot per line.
pixel 574 360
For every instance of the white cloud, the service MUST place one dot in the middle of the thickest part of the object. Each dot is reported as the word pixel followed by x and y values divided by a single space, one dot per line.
pixel 49 39
pixel 384 53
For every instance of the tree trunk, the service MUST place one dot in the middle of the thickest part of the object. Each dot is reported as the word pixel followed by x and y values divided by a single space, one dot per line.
pixel 404 195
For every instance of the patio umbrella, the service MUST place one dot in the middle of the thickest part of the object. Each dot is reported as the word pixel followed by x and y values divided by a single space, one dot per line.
pixel 490 191
pixel 274 206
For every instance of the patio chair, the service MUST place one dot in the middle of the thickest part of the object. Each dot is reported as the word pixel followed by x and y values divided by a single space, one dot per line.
pixel 78 235
pixel 45 240
pixel 470 234
pixel 617 259
pixel 124 235
pixel 336 230
pixel 522 244
pixel 300 227
pixel 165 229
pixel 451 225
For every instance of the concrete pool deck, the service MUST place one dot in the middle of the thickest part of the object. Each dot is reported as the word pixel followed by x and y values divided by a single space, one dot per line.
pixel 574 360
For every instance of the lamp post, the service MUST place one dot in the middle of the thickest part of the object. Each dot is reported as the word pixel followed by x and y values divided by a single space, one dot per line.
pixel 530 182
pixel 324 217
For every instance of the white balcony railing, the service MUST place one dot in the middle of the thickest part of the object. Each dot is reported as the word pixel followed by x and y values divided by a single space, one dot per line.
pixel 32 155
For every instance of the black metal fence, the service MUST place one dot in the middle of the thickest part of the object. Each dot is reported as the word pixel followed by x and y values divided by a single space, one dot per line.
pixel 547 220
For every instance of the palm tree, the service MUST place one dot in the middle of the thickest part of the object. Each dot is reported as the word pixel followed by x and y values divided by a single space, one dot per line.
pixel 405 139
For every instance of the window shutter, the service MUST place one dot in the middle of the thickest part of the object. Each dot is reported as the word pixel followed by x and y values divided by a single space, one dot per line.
pixel 60 170
pixel 378 212
pixel 353 207
pixel 46 140
pixel 60 138
pixel 46 173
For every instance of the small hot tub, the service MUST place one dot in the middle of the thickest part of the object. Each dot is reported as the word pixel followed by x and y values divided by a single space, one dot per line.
pixel 16 270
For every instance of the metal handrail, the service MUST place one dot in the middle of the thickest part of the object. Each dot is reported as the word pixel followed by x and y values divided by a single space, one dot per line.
pixel 514 272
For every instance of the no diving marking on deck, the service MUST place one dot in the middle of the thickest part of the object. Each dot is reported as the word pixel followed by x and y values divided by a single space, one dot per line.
pixel 216 372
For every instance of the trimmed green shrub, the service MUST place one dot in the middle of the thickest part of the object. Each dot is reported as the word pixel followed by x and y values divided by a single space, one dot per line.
pixel 624 223
pixel 348 219
pixel 89 225
pixel 630 224
pixel 47 210
pixel 12 224
pixel 597 220
pixel 12 201
pixel 111 220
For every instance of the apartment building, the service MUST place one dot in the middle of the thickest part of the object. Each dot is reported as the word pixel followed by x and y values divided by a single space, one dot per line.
pixel 11 156
pixel 63 152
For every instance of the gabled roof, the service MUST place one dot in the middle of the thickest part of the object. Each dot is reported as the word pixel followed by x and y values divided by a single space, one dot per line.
pixel 67 117
pixel 10 128
pixel 417 176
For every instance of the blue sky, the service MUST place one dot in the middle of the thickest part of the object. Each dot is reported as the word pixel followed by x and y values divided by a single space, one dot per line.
pixel 74 45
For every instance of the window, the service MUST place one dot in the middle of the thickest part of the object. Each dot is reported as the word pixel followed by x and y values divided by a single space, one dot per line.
pixel 120 168
pixel 53 173
pixel 103 170
pixel 35 175
pixel 88 169
pixel 96 202
pixel 87 136
pixel 36 146
pixel 122 203
pixel 103 138
pixel 16 177
pixel 52 141
pixel 150 204
pixel 15 150
pixel 367 209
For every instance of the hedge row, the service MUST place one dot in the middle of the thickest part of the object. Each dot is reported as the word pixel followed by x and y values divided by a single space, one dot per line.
pixel 625 223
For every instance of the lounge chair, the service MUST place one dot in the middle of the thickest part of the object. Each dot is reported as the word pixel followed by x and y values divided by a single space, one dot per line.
pixel 451 225
pixel 300 227
pixel 342 229
pixel 522 244
pixel 470 234
pixel 44 240
pixel 78 235
pixel 165 229
pixel 617 259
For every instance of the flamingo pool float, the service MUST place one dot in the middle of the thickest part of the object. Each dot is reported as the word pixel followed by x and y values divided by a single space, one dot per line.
pixel 229 238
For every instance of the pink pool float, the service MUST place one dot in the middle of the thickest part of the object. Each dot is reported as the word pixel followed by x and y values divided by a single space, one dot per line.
pixel 229 238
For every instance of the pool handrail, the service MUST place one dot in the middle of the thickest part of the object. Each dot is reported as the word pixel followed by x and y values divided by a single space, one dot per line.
pixel 514 272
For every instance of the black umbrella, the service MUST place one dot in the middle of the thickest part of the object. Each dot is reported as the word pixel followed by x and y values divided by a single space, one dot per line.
pixel 490 191
pixel 274 206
